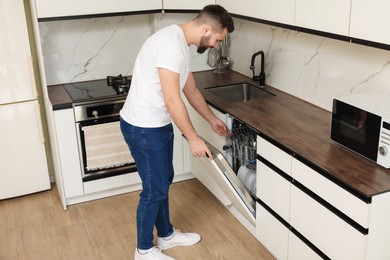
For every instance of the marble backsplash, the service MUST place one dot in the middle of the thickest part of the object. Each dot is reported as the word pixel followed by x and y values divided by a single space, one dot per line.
pixel 315 69
pixel 87 49
pixel 312 68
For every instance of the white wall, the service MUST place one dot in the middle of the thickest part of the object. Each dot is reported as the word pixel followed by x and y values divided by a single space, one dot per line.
pixel 313 68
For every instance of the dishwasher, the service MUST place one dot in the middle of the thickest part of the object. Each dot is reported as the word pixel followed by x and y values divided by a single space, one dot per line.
pixel 234 169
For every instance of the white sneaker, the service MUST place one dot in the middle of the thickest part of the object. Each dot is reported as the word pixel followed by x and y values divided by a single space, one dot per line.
pixel 178 239
pixel 152 254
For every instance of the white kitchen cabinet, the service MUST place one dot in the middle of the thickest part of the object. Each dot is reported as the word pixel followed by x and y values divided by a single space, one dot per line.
pixel 297 250
pixel 186 5
pixel 282 185
pixel 60 8
pixel 330 16
pixel 370 20
pixel 244 7
pixel 327 231
pixel 69 156
pixel 181 156
pixel 271 233
pixel 341 199
pixel 273 190
pixel 72 189
pixel 274 155
pixel 280 11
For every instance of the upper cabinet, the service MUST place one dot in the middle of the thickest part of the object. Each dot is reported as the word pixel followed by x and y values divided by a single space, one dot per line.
pixel 244 7
pixel 330 16
pixel 59 8
pixel 280 11
pixel 370 20
pixel 186 5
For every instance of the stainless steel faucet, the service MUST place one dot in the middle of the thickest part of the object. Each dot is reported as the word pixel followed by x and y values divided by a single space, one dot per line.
pixel 261 77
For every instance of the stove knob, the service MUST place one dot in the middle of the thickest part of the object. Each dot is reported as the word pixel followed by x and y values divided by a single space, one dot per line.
pixel 383 150
pixel 95 113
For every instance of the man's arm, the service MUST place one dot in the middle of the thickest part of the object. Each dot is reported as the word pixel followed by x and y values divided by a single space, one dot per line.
pixel 197 101
pixel 170 85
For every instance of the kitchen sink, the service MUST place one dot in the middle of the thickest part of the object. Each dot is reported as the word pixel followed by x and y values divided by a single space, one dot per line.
pixel 240 92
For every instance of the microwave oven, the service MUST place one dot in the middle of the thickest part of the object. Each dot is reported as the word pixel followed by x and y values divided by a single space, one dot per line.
pixel 361 123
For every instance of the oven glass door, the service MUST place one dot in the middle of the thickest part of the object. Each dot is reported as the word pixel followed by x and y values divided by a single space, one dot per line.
pixel 356 129
pixel 104 150
pixel 229 183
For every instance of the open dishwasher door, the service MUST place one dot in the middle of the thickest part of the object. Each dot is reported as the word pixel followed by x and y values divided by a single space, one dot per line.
pixel 229 183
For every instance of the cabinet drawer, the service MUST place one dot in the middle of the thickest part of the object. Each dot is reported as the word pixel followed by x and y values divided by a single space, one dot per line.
pixel 335 195
pixel 271 233
pixel 273 190
pixel 274 155
pixel 297 250
pixel 332 235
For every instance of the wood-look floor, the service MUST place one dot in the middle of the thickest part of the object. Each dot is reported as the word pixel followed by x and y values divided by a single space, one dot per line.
pixel 37 227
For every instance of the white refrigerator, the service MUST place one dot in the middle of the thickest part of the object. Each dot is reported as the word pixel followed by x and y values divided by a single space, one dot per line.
pixel 23 163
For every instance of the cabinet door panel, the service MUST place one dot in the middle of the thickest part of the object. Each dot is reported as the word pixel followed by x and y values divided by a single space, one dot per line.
pixel 186 5
pixel 178 153
pixel 297 250
pixel 281 11
pixel 329 16
pixel 370 20
pixel 57 8
pixel 332 235
pixel 273 190
pixel 68 152
pixel 271 233
pixel 181 153
pixel 244 7
pixel 274 155
pixel 350 205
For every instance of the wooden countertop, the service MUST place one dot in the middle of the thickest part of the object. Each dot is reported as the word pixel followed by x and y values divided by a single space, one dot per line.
pixel 303 130
pixel 294 125
pixel 58 97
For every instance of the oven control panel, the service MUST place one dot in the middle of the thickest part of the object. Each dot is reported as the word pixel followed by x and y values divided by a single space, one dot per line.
pixel 97 110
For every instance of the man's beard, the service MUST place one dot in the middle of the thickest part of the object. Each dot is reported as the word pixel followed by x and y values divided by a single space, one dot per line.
pixel 204 44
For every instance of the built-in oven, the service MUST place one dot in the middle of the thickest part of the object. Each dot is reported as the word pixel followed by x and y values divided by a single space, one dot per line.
pixel 103 150
pixel 96 104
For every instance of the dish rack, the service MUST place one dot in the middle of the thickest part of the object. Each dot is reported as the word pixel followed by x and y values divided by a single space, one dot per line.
pixel 242 146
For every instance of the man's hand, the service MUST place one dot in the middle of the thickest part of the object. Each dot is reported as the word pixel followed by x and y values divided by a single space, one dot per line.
pixel 220 128
pixel 199 148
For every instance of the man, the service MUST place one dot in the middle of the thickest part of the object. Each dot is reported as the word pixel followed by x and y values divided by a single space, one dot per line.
pixel 161 72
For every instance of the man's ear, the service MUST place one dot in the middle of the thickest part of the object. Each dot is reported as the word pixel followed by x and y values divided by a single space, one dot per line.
pixel 206 30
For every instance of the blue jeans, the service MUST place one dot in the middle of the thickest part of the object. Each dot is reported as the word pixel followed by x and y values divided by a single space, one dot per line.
pixel 152 150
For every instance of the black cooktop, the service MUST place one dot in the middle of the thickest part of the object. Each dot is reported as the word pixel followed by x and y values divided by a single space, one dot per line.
pixel 92 90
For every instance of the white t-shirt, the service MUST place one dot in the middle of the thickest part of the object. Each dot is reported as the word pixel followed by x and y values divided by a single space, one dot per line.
pixel 168 49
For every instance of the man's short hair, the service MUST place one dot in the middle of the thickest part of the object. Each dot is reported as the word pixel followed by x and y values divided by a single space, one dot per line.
pixel 217 16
